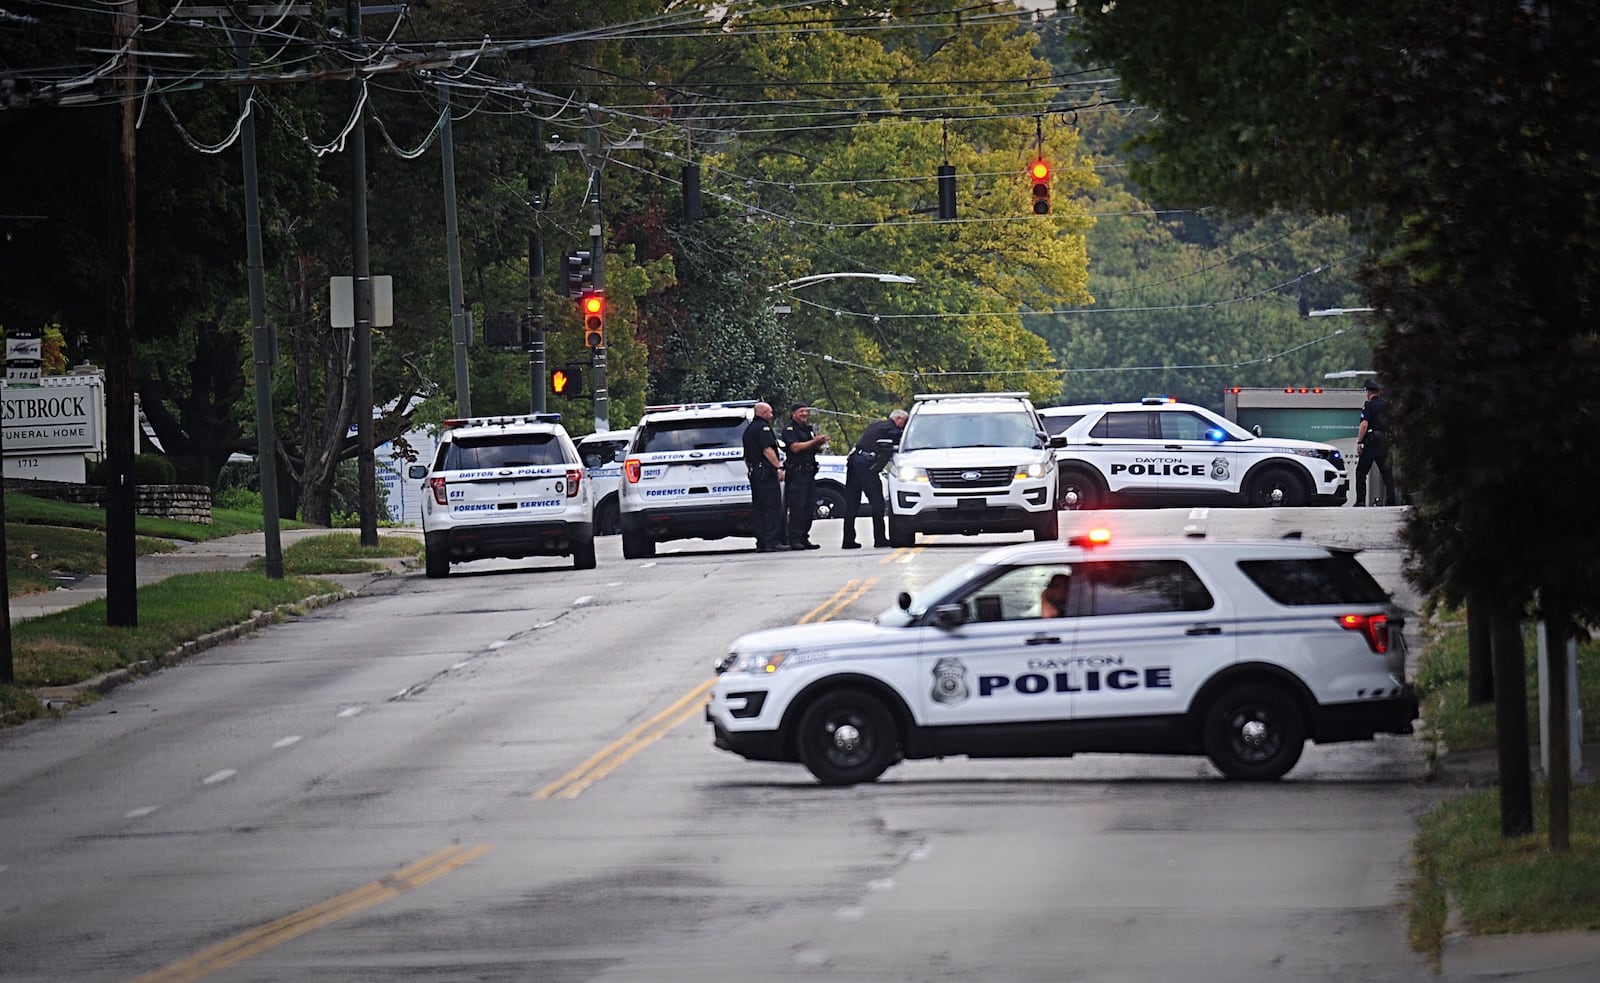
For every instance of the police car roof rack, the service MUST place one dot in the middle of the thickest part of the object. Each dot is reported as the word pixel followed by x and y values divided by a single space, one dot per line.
pixel 500 421
pixel 727 404
pixel 925 396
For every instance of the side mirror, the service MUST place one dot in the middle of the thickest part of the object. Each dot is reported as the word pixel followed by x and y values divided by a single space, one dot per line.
pixel 417 472
pixel 1256 430
pixel 949 616
pixel 904 600
pixel 1059 440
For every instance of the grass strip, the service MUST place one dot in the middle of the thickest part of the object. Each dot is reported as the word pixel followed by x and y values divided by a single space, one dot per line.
pixel 341 552
pixel 40 558
pixel 29 510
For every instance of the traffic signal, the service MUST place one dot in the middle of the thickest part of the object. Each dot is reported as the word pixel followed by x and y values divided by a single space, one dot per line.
pixel 1039 175
pixel 567 380
pixel 947 191
pixel 502 330
pixel 593 307
pixel 578 272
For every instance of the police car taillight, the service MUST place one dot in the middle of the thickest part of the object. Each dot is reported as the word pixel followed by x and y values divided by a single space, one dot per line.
pixel 1373 627
pixel 437 484
pixel 1094 537
pixel 631 468
pixel 574 477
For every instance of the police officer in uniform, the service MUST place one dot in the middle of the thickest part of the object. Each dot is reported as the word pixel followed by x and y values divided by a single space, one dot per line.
pixel 861 475
pixel 801 444
pixel 1372 445
pixel 766 480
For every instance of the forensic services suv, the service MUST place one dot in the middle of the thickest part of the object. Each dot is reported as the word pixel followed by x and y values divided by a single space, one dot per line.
pixel 505 486
pixel 684 476
pixel 603 454
pixel 971 463
pixel 1158 451
pixel 1239 651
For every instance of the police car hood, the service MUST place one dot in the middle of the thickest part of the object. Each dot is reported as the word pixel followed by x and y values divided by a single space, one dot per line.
pixel 820 636
pixel 970 457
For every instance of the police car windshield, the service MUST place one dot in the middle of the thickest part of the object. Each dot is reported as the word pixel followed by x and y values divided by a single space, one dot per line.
pixel 501 450
pixel 690 435
pixel 930 431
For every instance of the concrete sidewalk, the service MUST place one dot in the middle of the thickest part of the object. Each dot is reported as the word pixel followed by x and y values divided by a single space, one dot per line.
pixel 227 553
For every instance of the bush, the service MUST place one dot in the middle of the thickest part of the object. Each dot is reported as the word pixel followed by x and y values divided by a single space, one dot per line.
pixel 148 469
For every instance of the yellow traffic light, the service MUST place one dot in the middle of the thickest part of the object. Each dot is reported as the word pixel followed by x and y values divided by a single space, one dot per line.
pixel 593 306
pixel 1039 174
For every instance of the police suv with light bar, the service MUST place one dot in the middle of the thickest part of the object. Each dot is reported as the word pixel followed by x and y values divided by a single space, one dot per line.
pixel 505 486
pixel 1159 451
pixel 1239 651
pixel 684 476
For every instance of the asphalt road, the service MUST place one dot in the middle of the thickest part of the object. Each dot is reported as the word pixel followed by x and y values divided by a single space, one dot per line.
pixel 506 776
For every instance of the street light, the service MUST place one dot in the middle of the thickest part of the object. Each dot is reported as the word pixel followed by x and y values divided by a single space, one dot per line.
pixel 1336 311
pixel 1348 374
pixel 806 281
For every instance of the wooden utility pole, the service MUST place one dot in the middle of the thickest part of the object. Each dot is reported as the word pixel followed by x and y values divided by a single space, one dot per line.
pixel 122 589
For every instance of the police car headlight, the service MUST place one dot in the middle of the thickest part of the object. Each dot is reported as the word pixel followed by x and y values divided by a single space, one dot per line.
pixel 1031 471
pixel 757 663
pixel 907 472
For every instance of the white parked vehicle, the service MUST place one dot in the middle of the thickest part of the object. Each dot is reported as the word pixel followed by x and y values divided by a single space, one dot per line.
pixel 684 476
pixel 971 463
pixel 507 486
pixel 603 453
pixel 1239 651
pixel 1162 452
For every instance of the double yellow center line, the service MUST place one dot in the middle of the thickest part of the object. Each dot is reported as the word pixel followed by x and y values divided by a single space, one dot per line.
pixel 274 933
pixel 691 704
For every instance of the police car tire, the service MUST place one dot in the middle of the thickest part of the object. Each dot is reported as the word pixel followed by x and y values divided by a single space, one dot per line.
pixel 436 563
pixel 1079 490
pixel 637 546
pixel 1254 732
pixel 829 503
pixel 1048 528
pixel 837 758
pixel 1274 479
pixel 607 518
pixel 901 534
pixel 583 554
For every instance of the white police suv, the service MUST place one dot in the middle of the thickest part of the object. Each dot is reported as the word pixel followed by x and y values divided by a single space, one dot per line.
pixel 1240 651
pixel 505 486
pixel 1159 451
pixel 971 463
pixel 603 453
pixel 684 476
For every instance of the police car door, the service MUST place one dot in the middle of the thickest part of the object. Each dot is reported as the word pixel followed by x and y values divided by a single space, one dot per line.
pixel 996 665
pixel 1123 444
pixel 1203 460
pixel 1147 634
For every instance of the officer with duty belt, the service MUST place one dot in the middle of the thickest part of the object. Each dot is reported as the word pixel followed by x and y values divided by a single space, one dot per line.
pixel 766 476
pixel 861 470
pixel 801 444
pixel 1372 445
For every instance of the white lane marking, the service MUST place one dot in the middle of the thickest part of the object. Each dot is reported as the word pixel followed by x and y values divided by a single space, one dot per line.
pixel 881 884
pixel 349 711
pixel 284 742
pixel 219 776
pixel 615 583
pixel 584 600
pixel 460 665
pixel 140 812
pixel 495 645
pixel 646 566
pixel 922 852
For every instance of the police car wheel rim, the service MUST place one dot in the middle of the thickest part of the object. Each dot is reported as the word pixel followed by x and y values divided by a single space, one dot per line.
pixel 1254 734
pixel 848 740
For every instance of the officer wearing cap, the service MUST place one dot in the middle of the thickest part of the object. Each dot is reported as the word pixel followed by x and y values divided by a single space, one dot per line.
pixel 1372 445
pixel 766 477
pixel 801 444
pixel 871 453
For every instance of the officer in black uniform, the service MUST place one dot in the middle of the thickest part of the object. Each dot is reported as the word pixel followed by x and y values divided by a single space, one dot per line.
pixel 766 480
pixel 801 444
pixel 861 475
pixel 1372 445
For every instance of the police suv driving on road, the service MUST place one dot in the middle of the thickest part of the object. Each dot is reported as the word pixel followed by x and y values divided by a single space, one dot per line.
pixel 1160 451
pixel 1240 651
pixel 505 486
pixel 971 463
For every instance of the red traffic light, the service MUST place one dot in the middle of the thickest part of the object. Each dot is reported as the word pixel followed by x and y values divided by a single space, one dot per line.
pixel 1039 174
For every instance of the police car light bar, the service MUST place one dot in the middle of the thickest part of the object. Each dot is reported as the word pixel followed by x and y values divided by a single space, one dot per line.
pixel 1094 537
pixel 499 421
pixel 919 397
pixel 724 405
pixel 1158 400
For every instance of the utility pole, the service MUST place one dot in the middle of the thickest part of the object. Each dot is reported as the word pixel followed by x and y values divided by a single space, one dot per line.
pixel 361 277
pixel 534 317
pixel 460 330
pixel 597 257
pixel 260 334
pixel 122 589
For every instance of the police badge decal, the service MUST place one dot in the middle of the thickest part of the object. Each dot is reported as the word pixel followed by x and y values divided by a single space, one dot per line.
pixel 949 681
pixel 1219 469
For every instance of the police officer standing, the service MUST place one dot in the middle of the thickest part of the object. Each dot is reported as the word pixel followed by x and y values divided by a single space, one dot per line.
pixel 861 475
pixel 1372 445
pixel 766 476
pixel 801 444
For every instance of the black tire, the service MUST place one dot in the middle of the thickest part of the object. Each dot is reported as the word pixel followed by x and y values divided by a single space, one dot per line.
pixel 607 518
pixel 583 554
pixel 1048 527
pixel 637 546
pixel 1079 490
pixel 1277 487
pixel 848 737
pixel 829 502
pixel 436 563
pixel 1254 733
pixel 901 534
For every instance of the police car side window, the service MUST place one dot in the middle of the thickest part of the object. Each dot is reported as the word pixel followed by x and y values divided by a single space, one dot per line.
pixel 1183 426
pixel 1013 595
pixel 1058 424
pixel 1127 426
pixel 1138 587
pixel 1334 579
